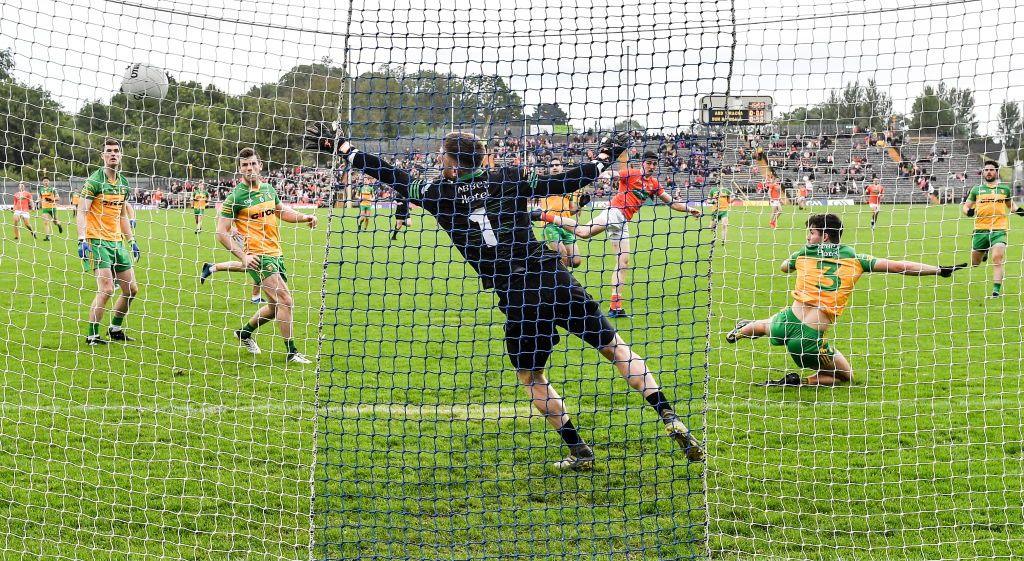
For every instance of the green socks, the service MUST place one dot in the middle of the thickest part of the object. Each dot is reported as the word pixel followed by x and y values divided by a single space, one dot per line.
pixel 997 288
pixel 116 321
pixel 290 345
pixel 247 331
pixel 94 329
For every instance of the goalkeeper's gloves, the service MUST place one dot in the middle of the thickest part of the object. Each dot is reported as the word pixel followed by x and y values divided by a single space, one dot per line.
pixel 321 136
pixel 84 250
pixel 584 200
pixel 613 145
pixel 1020 211
pixel 970 212
pixel 136 253
pixel 536 215
pixel 948 270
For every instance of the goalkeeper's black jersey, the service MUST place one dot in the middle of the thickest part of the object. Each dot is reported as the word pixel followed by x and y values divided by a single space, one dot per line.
pixel 485 212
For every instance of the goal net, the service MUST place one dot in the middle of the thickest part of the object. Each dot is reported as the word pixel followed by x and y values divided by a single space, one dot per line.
pixel 421 429
pixel 919 456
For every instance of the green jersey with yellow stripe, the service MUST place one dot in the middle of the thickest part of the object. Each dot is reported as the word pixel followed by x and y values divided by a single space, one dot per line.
pixel 254 210
pixel 826 274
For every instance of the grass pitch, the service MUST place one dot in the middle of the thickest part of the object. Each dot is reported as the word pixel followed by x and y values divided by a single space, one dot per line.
pixel 182 446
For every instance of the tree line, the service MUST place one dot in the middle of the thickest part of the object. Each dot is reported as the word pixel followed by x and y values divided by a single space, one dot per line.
pixel 196 129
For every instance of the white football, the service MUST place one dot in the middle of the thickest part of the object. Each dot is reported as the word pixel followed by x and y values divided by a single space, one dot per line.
pixel 143 80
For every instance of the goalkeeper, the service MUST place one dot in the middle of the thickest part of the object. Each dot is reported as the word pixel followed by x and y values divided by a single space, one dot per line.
pixel 485 213
pixel 826 272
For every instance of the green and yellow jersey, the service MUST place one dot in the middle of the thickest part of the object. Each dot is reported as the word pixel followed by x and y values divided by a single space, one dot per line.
pixel 991 206
pixel 107 198
pixel 48 198
pixel 560 205
pixel 254 210
pixel 200 198
pixel 366 195
pixel 721 198
pixel 825 275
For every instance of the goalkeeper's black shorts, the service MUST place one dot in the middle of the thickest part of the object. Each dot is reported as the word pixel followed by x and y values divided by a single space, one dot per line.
pixel 536 303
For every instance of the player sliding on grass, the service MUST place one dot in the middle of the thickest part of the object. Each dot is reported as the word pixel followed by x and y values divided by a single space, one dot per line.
pixel 635 187
pixel 990 204
pixel 826 272
pixel 485 213
pixel 104 225
pixel 253 208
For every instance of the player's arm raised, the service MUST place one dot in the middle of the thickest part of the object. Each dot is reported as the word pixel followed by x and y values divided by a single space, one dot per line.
pixel 914 269
pixel 613 147
pixel 322 137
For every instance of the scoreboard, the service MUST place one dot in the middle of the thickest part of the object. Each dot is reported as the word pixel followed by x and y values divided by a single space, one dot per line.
pixel 736 110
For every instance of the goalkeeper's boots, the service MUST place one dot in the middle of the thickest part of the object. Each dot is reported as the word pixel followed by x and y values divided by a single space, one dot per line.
pixel 995 295
pixel 118 335
pixel 677 431
pixel 205 272
pixel 248 342
pixel 95 341
pixel 734 335
pixel 791 379
pixel 580 458
pixel 299 358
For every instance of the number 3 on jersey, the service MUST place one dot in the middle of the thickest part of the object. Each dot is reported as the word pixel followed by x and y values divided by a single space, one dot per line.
pixel 479 217
pixel 829 272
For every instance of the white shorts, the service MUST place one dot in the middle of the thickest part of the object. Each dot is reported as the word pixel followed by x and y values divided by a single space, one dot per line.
pixel 875 207
pixel 22 214
pixel 616 225
pixel 775 203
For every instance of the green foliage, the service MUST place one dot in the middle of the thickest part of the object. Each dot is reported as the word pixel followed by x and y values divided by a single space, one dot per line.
pixel 1011 125
pixel 628 125
pixel 863 106
pixel 204 127
pixel 548 114
pixel 944 110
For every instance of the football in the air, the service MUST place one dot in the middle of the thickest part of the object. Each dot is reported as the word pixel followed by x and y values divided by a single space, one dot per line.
pixel 143 80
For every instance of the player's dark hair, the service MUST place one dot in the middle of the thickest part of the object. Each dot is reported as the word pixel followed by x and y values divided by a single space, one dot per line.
pixel 649 155
pixel 109 141
pixel 829 224
pixel 246 153
pixel 992 163
pixel 468 150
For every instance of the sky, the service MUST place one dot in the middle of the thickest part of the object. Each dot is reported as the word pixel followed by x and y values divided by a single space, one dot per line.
pixel 600 59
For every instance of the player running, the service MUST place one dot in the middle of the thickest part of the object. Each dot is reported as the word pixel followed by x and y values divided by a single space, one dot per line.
pixel 48 201
pixel 200 200
pixel 559 239
pixel 366 196
pixel 103 228
pixel 253 208
pixel 990 204
pixel 775 201
pixel 873 192
pixel 635 187
pixel 720 198
pixel 485 213
pixel 826 272
pixel 22 206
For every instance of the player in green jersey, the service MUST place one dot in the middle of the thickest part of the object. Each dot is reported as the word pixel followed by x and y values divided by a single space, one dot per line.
pixel 720 198
pixel 990 204
pixel 366 196
pixel 48 201
pixel 103 228
pixel 253 208
pixel 200 199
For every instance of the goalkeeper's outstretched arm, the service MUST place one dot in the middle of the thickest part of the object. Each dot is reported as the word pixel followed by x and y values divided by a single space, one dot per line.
pixel 915 269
